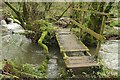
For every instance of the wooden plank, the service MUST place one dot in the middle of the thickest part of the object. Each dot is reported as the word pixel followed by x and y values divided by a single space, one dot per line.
pixel 79 61
pixel 76 50
pixel 96 35
pixel 95 12
pixel 82 65
pixel 63 32
pixel 82 61
pixel 69 43
pixel 81 57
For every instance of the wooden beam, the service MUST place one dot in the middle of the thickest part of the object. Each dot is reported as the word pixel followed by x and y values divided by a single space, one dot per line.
pixel 83 17
pixel 91 32
pixel 64 12
pixel 81 61
pixel 95 12
pixel 101 32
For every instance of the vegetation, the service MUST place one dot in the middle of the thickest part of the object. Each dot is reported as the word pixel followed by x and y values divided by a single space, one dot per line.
pixel 100 72
pixel 66 74
pixel 86 22
pixel 110 32
pixel 13 70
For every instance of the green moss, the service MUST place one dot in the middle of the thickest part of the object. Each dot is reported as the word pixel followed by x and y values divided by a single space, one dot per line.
pixel 45 64
pixel 45 48
pixel 66 73
pixel 61 50
pixel 41 67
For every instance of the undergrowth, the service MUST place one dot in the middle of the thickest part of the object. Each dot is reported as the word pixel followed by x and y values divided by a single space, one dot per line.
pixel 12 69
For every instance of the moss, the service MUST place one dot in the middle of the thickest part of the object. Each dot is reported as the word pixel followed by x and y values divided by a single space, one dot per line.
pixel 66 73
pixel 45 64
pixel 61 50
pixel 45 48
pixel 43 67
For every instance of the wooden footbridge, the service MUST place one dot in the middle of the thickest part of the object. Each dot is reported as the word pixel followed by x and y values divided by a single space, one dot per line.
pixel 68 42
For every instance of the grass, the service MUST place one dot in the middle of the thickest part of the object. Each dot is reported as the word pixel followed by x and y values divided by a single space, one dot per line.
pixel 109 31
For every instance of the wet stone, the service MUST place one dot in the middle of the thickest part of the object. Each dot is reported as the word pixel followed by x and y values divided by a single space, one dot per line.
pixel 53 61
pixel 54 56
pixel 52 74
pixel 52 66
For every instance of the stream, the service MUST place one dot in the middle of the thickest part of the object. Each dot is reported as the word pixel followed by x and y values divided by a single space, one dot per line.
pixel 18 46
pixel 109 54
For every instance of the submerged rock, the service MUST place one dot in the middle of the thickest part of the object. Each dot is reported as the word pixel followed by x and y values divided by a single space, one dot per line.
pixel 13 27
pixel 118 28
pixel 9 20
pixel 3 22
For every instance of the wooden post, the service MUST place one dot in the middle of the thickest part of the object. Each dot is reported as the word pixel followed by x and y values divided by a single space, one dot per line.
pixel 79 16
pixel 82 21
pixel 71 14
pixel 83 18
pixel 101 32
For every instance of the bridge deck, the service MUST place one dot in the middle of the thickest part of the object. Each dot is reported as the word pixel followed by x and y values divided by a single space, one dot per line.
pixel 81 61
pixel 68 41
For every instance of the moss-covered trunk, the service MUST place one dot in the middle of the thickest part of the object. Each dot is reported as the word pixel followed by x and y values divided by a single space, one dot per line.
pixel 18 13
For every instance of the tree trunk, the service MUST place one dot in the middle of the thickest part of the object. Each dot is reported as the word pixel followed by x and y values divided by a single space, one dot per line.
pixel 18 13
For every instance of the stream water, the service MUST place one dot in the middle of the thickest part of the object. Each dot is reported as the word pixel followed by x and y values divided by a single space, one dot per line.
pixel 18 46
pixel 109 54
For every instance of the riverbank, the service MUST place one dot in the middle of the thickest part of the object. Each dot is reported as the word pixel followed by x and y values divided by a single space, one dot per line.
pixel 112 29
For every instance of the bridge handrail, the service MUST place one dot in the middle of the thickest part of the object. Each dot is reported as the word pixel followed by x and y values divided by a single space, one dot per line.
pixel 95 12
pixel 96 35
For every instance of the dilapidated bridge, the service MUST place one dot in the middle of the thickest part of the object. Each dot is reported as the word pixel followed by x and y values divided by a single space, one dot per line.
pixel 68 42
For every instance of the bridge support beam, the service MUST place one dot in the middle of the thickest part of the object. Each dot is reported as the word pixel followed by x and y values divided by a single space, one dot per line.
pixel 101 32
